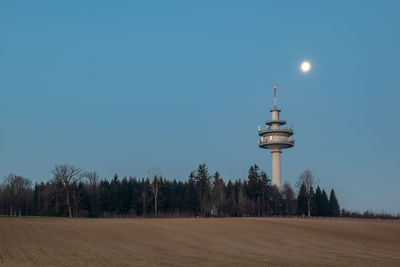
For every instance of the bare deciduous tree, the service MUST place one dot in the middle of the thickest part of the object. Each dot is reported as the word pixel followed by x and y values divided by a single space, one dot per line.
pixel 93 180
pixel 16 189
pixel 155 186
pixel 308 180
pixel 67 176
pixel 289 198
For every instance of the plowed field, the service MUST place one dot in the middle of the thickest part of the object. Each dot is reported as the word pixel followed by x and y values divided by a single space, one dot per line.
pixel 198 242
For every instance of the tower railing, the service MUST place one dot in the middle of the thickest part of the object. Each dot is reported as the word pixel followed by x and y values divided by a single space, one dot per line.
pixel 267 141
pixel 288 129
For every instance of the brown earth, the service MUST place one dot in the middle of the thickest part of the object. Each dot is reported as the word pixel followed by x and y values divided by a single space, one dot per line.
pixel 198 242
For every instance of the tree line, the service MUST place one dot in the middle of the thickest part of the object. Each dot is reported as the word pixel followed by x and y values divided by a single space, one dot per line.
pixel 74 193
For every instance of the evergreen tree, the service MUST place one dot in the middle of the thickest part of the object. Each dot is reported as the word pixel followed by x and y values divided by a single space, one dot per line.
pixel 105 198
pixel 230 197
pixel 116 202
pixel 218 195
pixel 252 190
pixel 191 199
pixel 240 198
pixel 316 207
pixel 302 201
pixel 265 187
pixel 36 200
pixel 277 202
pixel 333 205
pixel 324 205
pixel 203 184
pixel 125 193
pixel 135 198
pixel 253 182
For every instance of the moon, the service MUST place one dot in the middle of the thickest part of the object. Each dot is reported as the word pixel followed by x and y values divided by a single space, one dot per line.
pixel 305 66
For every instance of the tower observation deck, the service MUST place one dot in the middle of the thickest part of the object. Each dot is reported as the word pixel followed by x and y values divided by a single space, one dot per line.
pixel 275 138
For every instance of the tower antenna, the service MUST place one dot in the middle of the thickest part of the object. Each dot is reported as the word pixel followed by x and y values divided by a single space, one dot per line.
pixel 275 97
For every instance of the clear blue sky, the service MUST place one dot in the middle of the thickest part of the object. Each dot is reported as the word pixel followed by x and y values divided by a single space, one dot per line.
pixel 123 86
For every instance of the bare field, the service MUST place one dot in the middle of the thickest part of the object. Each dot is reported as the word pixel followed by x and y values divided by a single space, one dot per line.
pixel 194 242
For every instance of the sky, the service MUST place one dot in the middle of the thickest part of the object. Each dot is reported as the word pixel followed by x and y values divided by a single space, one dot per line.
pixel 131 86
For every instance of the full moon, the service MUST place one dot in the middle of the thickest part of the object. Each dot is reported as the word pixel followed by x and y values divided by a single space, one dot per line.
pixel 305 66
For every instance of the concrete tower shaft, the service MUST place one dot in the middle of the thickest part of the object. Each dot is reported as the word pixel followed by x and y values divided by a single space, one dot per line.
pixel 276 168
pixel 275 138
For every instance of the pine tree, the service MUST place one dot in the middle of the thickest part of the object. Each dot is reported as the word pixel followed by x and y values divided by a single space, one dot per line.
pixel 253 188
pixel 115 187
pixel 333 206
pixel 105 198
pixel 316 203
pixel 324 205
pixel 218 195
pixel 191 197
pixel 230 197
pixel 36 200
pixel 277 202
pixel 203 184
pixel 302 201
pixel 125 194
pixel 253 183
pixel 265 187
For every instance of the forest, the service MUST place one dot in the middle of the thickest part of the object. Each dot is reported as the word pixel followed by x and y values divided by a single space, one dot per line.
pixel 74 193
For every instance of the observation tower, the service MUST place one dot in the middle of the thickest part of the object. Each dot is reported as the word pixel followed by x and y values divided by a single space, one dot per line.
pixel 275 138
